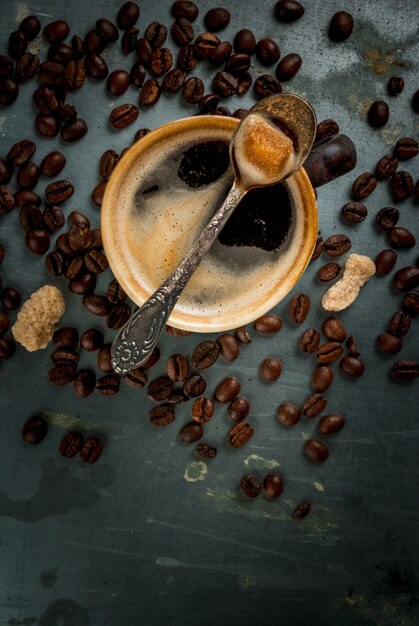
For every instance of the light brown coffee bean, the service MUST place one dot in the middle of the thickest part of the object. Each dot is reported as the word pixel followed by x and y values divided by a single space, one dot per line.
pixel 227 389
pixel 270 369
pixel 239 434
pixel 268 324
pixel 330 424
pixel 316 450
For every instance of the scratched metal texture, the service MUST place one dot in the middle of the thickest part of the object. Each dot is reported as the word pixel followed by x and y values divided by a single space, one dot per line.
pixel 150 535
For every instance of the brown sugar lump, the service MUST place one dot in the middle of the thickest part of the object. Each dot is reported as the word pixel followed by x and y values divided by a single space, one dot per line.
pixel 37 318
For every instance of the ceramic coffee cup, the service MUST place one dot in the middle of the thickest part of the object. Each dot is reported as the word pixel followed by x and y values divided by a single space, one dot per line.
pixel 160 196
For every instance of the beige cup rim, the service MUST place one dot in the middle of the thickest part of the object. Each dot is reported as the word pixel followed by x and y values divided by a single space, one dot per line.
pixel 185 319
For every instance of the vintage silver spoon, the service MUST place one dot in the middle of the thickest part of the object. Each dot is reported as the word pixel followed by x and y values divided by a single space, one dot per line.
pixel 269 144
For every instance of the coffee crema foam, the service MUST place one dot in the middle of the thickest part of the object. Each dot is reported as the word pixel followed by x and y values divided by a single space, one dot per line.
pixel 154 230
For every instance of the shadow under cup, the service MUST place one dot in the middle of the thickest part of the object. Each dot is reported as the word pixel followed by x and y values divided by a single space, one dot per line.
pixel 150 217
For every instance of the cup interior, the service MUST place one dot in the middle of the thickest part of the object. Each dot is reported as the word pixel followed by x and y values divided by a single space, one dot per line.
pixel 148 224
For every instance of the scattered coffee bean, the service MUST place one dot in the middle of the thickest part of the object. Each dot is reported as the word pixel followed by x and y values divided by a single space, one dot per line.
pixel 84 383
pixel 91 450
pixel 352 366
pixel 30 26
pixel 224 84
pixel 221 53
pixel 363 186
pixel 115 293
pixel 406 148
pixel 238 64
pixel 97 305
pixel 310 340
pixel 334 329
pixel 63 356
pixel 385 262
pixel 405 369
pixel 118 82
pixel 406 278
pixel 288 10
pixel 336 245
pixel 182 31
pixel 227 390
pixel 104 359
pixel 193 90
pixel 35 429
pixel 61 375
pixel 162 415
pixel 341 26
pixel 250 486
pixel 205 450
pixel 270 369
pixel 178 367
pixel 91 340
pixel 96 66
pixel 266 85
pixel 4 322
pixel 127 15
pixel 136 378
pixel 268 324
pixel 354 212
pixel 108 385
pixel 389 344
pixel 329 271
pixel 378 114
pixel 400 238
pixel 59 191
pixel 37 240
pixel 302 510
pixel 186 9
pixel 395 85
pixel 400 324
pixel 411 302
pixel 217 19
pixel 17 44
pixel 245 41
pixel 387 217
pixel 10 298
pixel 205 354
pixel 314 405
pixel 202 409
pixel 318 248
pixel 150 93
pixel 322 378
pixel 267 51
pixel 155 34
pixel 160 389
pixel 123 115
pixel 330 424
pixel 129 40
pixel 352 346
pixel 288 414
pixel 316 450
pixel 238 409
pixel 288 66
pixel 299 307
pixel 229 346
pixel 73 130
pixel 273 485
pixel 194 386
pixel 7 348
pixel 331 351
pixel 21 152
pixel 239 434
pixel 242 335
pixel 161 61
pixel 7 201
pixel 65 337
pixel 386 167
pixel 326 129
pixel 71 444
pixel 402 186
pixel 52 164
pixel 174 80
pixel 191 432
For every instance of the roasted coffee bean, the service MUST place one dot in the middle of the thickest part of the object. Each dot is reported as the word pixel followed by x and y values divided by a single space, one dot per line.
pixel 96 66
pixel 316 450
pixel 302 510
pixel 7 348
pixel 21 152
pixel 400 238
pixel 326 129
pixel 127 15
pixel 395 85
pixel 334 329
pixel 6 66
pixel 79 219
pixel 97 305
pixel 25 197
pixel 354 212
pixel 322 378
pixel 107 30
pixel 65 356
pixel 288 10
pixel 150 92
pixel 352 346
pixel 5 171
pixel 117 82
pixel 387 217
pixel 104 359
pixel 205 450
pixel 79 237
pixel 406 278
pixel 35 429
pixel 96 242
pixel 71 444
pixel 56 31
pixel 129 40
pixel 144 51
pixel 98 193
pixel 337 245
pixel 318 248
pixel 84 383
pixel 329 352
pixel 74 268
pixel 288 67
pixel 91 450
pixel 162 415
pixel 314 405
pixel 93 43
pixel 341 26
pixel 270 369
pixel 208 103
pixel 123 115
pixel 299 307
pixel 193 90
pixel 310 340
pixel 55 263
pixel 61 375
pixel 75 74
pixel 107 163
pixel 245 41
pixel 242 335
pixel 273 485
pixel 160 389
pixel 46 100
pixel 173 80
pixel 240 114
pixel 10 298
pixel 227 390
pixel 194 386
pixel 411 302
pixel 405 369
pixel 238 64
pixel 30 217
pixel 77 46
pixel 239 434
pixel 229 346
pixel 28 175
pixel 52 164
pixel 17 44
pixel 329 271
pixel 288 414
pixel 221 53
pixel 385 262
pixel 386 167
pixel 9 91
pixel 406 148
pixel 352 366
pixel 7 201
pixel 4 322
pixel 267 51
pixel 27 66
pixel 224 84
pixel 268 324
pixel 266 85
pixel 59 191
pixel 202 410
pixel 30 26
pixel 182 31
pixel 402 186
pixel 95 261
pixel 73 130
pixel 108 385
pixel 250 486
pixel 205 354
pixel 330 424
pixel 51 73
pixel 217 19
pixel 161 61
pixel 191 432
pixel 378 114
pixel 65 337
pixel 363 186
pixel 136 378
pixel 178 367
pixel 47 125
pixel 115 293
pixel 389 344
pixel 84 285
pixel 238 409
pixel 91 340
pixel 156 34
pixel 400 324
pixel 187 58
pixel 186 9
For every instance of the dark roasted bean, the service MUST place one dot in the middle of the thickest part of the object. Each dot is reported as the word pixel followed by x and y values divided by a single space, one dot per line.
pixel 314 405
pixel 400 324
pixel 182 31
pixel 108 385
pixel 250 486
pixel 65 337
pixel 98 305
pixel 288 66
pixel 318 248
pixel 30 216
pixel 162 415
pixel 402 186
pixel 239 434
pixel 194 386
pixel 35 429
pixel 54 263
pixel 238 64
pixel 267 51
pixel 9 91
pixel 161 61
pixel 46 100
pixel 193 90
pixel 91 450
pixel 6 66
pixel 71 444
pixel 387 217
pixel 352 366
pixel 107 163
pixel 56 31
pixel 173 80
pixel 79 219
pixel 224 84
pixel 405 369
pixel 209 103
pixel 25 197
pixel 202 409
pixel 136 378
pixel 96 66
pixel 52 164
pixel 229 346
pixel 5 171
pixel 378 114
pixel 238 409
pixel 150 92
pixel 205 354
pixel 337 245
pixel 334 329
pixel 411 302
pixel 270 369
pixel 386 167
pixel 84 285
pixel 127 15
pixel 316 450
pixel 65 356
pixel 221 53
pixel 310 340
pixel 389 344
pixel 406 278
pixel 47 125
pixel 129 40
pixel 268 324
pixel 61 375
pixel 84 383
pixel 98 193
pixel 363 186
pixel 326 129
pixel 91 340
pixel 352 346
pixel 17 44
pixel 187 58
pixel 144 51
pixel 155 34
pixel 51 73
pixel 245 41
pixel 400 238
pixel 74 268
pixel 117 82
pixel 10 298
pixel 329 352
pixel 59 191
pixel 73 130
pixel 160 389
pixel 104 359
pixel 288 414
pixel 322 378
pixel 115 293
pixel 406 148
pixel 354 212
pixel 227 390
pixel 4 322
pixel 288 10
pixel 178 367
pixel 21 152
pixel 302 510
pixel 7 348
pixel 395 85
pixel 242 335
pixel 123 115
pixel 95 261
pixel 205 450
pixel 273 485
pixel 240 113
pixel 107 30
pixel 191 432
pixel 7 201
pixel 79 237
pixel 186 9
pixel 75 74
pixel 266 85
pixel 341 26
pixel 330 424
pixel 299 307
pixel 77 45
pixel 30 27
pixel 27 66
pixel 329 271
pixel 217 19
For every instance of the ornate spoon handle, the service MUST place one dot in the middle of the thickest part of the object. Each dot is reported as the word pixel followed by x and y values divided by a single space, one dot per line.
pixel 137 338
